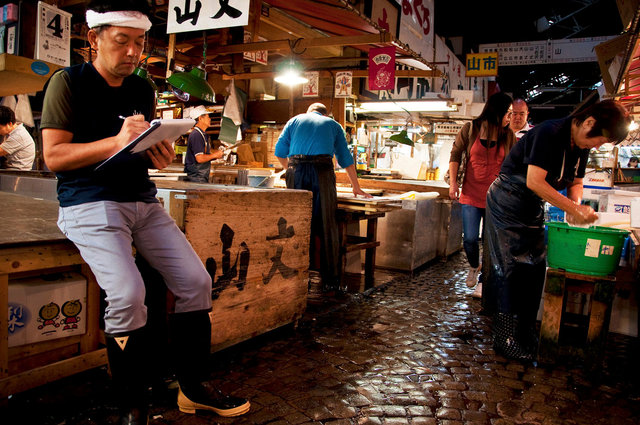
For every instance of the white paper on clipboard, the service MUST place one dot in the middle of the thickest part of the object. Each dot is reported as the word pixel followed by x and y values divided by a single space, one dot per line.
pixel 158 131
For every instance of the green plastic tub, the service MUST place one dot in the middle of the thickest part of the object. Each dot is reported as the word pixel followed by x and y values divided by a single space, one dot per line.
pixel 592 251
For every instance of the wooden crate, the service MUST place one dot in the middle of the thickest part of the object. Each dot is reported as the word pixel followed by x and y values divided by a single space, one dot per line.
pixel 255 244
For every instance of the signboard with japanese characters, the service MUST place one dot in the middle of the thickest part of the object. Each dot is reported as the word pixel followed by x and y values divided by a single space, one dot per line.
pixel 344 84
pixel 53 35
pixel 194 15
pixel 453 70
pixel 260 56
pixel 482 64
pixel 385 13
pixel 416 26
pixel 546 51
pixel 310 88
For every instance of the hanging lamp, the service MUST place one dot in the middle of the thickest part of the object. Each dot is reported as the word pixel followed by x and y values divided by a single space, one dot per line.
pixel 402 137
pixel 192 85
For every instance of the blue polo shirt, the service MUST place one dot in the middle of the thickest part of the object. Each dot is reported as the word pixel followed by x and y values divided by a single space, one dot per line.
pixel 313 134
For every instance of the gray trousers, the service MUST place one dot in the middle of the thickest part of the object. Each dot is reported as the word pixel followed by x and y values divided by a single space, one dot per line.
pixel 104 233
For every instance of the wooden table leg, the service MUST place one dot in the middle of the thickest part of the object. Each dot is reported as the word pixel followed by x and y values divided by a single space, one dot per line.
pixel 603 293
pixel 553 297
pixel 370 253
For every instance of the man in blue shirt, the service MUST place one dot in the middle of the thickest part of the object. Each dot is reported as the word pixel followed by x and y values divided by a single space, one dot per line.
pixel 197 163
pixel 306 148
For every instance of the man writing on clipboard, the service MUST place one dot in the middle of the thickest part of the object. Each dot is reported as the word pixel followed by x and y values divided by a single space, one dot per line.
pixel 197 163
pixel 104 211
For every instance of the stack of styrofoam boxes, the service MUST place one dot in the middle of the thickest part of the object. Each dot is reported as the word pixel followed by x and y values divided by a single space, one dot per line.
pixel 614 206
pixel 46 308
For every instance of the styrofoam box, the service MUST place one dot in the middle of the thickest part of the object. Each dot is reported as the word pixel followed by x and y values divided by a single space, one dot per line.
pixel 635 212
pixel 616 201
pixel 46 308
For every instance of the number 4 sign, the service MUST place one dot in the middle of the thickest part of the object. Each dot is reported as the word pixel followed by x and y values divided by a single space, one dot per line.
pixel 53 41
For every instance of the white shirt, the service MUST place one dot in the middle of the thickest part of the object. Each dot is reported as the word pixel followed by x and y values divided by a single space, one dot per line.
pixel 523 130
pixel 20 149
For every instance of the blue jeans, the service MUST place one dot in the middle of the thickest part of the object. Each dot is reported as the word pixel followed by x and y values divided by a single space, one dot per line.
pixel 471 217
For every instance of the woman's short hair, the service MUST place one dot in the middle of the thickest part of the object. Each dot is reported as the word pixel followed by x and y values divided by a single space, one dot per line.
pixel 612 120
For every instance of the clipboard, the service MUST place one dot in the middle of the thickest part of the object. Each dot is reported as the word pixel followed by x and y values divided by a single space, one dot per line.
pixel 158 131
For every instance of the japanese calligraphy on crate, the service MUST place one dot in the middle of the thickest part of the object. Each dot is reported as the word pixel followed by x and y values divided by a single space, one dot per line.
pixel 193 15
pixel 482 64
pixel 255 245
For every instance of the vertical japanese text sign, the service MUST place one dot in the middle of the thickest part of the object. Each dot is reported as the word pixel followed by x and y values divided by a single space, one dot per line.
pixel 53 35
pixel 193 15
pixel 482 64
pixel 382 68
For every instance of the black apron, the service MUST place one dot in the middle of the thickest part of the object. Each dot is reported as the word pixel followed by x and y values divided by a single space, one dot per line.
pixel 315 173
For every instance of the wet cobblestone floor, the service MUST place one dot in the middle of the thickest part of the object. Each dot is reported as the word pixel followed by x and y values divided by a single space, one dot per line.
pixel 414 350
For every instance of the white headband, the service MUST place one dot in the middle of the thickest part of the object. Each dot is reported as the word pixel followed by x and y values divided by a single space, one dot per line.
pixel 122 18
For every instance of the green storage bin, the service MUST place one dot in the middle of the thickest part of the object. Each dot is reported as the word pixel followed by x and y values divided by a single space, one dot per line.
pixel 592 251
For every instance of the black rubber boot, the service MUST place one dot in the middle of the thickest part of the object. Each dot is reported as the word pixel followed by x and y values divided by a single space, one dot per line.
pixel 191 341
pixel 127 361
pixel 506 338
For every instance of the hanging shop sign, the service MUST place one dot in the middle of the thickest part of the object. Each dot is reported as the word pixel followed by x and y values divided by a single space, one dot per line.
pixel 260 56
pixel 193 15
pixel 385 13
pixel 344 84
pixel 542 52
pixel 416 26
pixel 53 35
pixel 482 64
pixel 310 88
pixel 382 64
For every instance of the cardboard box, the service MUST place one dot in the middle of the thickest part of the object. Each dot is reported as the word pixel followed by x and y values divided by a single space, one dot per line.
pixel 593 178
pixel 46 308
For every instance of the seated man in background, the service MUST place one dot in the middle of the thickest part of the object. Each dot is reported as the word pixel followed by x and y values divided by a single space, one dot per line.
pixel 17 145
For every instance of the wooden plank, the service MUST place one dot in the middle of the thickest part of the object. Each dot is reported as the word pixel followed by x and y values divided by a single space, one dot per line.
pixel 38 257
pixel 255 245
pixel 17 76
pixel 551 317
pixel 91 339
pixel 400 73
pixel 382 39
pixel 51 372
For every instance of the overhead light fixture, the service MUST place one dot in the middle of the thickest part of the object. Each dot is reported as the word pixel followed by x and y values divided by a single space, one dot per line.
pixel 142 72
pixel 402 137
pixel 193 85
pixel 408 106
pixel 289 73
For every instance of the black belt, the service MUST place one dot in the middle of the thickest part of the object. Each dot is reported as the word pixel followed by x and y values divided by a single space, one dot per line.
pixel 310 159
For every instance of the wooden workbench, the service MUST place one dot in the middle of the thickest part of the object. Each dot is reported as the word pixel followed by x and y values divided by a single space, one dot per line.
pixel 32 245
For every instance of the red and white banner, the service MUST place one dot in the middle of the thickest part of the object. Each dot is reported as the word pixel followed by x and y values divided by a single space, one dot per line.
pixel 382 68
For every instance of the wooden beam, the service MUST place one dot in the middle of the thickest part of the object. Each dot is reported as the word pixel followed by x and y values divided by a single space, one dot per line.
pixel 358 73
pixel 379 39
